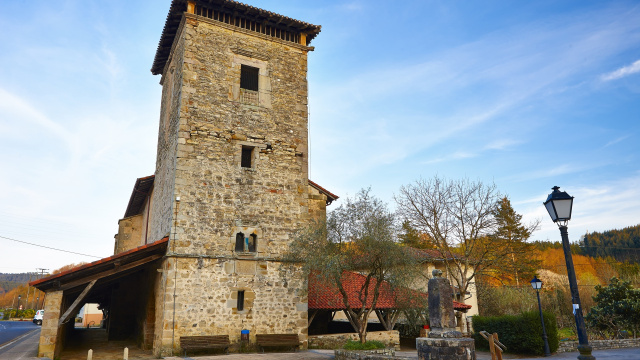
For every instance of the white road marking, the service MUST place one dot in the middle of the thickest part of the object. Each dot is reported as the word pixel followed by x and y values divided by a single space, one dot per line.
pixel 18 338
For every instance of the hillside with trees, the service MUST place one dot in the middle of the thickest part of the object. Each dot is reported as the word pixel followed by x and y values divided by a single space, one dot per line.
pixel 623 245
pixel 9 282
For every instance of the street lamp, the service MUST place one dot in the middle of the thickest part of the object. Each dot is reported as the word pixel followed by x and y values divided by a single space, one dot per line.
pixel 559 205
pixel 537 285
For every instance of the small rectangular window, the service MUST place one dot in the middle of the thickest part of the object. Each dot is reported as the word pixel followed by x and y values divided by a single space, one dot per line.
pixel 247 157
pixel 249 77
pixel 240 305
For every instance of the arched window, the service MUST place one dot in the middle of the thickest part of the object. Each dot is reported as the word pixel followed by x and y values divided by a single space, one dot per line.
pixel 253 242
pixel 239 242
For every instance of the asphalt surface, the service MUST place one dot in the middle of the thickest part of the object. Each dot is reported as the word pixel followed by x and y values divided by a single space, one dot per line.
pixel 18 340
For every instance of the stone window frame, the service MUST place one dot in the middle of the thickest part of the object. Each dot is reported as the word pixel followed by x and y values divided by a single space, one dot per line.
pixel 249 297
pixel 247 231
pixel 255 154
pixel 264 81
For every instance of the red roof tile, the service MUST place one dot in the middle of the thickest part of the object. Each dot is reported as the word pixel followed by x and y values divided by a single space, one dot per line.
pixel 326 296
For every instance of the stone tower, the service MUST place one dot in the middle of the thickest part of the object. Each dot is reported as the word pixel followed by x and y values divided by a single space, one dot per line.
pixel 231 181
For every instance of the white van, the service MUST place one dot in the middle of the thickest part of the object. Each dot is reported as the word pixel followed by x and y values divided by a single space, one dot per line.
pixel 37 318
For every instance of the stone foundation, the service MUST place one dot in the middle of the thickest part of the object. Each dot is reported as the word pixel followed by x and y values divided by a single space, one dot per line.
pixel 379 354
pixel 569 346
pixel 446 349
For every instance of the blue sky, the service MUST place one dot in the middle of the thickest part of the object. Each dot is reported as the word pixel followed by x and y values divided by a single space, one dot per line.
pixel 526 95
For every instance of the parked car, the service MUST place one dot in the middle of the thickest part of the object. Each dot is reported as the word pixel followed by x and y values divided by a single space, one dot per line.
pixel 37 318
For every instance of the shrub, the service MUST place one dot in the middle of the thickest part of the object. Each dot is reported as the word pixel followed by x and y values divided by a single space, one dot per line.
pixel 369 345
pixel 521 334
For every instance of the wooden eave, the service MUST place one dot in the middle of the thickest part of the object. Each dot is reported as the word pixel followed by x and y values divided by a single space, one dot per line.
pixel 178 7
pixel 112 266
pixel 141 190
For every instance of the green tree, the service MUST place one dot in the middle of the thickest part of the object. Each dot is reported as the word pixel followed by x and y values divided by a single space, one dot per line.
pixel 618 308
pixel 410 236
pixel 359 236
pixel 513 235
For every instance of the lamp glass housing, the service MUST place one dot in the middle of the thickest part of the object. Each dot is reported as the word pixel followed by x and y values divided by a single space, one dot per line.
pixel 559 205
pixel 536 283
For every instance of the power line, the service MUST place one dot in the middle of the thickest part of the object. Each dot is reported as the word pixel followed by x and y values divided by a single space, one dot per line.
pixel 48 247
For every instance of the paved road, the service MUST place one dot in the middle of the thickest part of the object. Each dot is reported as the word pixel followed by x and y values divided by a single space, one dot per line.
pixel 18 340
pixel 617 354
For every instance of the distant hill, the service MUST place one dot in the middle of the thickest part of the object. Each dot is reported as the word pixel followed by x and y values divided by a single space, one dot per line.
pixel 622 245
pixel 12 281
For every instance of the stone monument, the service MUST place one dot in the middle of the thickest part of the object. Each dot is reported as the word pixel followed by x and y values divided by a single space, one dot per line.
pixel 444 342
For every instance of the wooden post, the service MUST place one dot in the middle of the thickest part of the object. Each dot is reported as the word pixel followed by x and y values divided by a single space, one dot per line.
pixel 303 39
pixel 492 348
pixel 498 348
pixel 191 7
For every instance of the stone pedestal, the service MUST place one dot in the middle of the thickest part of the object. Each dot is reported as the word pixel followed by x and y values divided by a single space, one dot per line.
pixel 445 349
pixel 444 341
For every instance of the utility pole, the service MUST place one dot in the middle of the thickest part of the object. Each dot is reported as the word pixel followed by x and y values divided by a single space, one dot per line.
pixel 26 304
pixel 41 276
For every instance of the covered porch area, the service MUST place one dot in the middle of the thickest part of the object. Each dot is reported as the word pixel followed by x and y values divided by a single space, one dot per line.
pixel 122 285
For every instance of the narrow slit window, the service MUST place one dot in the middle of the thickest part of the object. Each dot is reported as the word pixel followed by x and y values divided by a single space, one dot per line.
pixel 249 77
pixel 240 242
pixel 247 157
pixel 253 240
pixel 240 305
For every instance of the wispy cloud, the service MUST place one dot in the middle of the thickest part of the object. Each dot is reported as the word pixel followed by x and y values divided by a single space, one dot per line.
pixel 455 156
pixel 615 141
pixel 502 144
pixel 601 207
pixel 622 72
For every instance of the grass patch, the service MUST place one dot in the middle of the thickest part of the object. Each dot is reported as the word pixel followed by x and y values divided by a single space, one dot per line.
pixel 369 345
pixel 565 334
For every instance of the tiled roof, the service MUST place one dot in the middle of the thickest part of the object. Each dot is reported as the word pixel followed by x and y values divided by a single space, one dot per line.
pixel 429 254
pixel 326 296
pixel 330 196
pixel 103 265
pixel 178 7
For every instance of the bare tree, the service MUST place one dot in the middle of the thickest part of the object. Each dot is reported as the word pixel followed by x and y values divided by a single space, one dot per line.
pixel 359 238
pixel 458 216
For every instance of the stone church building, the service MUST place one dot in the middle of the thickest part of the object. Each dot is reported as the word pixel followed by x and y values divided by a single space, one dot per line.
pixel 197 252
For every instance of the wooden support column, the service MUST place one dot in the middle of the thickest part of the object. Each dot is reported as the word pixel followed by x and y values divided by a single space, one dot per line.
pixel 313 315
pixel 303 39
pixel 191 7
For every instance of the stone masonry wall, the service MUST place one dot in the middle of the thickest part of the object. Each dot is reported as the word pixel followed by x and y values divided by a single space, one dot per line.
pixel 50 341
pixel 219 197
pixel 317 204
pixel 129 234
pixel 569 346
pixel 164 184
pixel 337 341
pixel 206 301
pixel 217 194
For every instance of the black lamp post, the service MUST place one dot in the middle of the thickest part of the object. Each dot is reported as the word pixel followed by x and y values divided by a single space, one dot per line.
pixel 559 205
pixel 537 285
